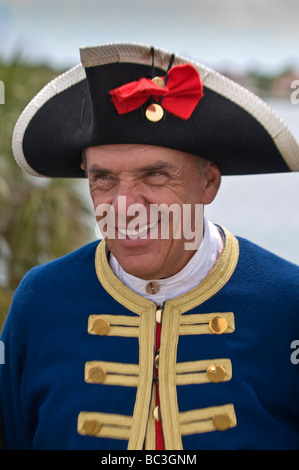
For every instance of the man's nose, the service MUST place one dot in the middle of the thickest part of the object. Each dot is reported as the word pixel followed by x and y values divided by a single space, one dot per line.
pixel 128 203
pixel 127 193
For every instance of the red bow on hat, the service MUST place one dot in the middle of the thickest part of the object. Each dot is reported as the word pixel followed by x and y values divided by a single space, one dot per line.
pixel 180 95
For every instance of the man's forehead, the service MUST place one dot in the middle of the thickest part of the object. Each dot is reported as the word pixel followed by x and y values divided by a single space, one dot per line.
pixel 136 148
pixel 143 156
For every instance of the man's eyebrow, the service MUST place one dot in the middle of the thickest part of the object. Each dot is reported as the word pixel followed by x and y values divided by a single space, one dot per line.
pixel 158 165
pixel 98 169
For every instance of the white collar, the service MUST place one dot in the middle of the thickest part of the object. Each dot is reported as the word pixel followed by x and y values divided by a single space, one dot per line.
pixel 189 277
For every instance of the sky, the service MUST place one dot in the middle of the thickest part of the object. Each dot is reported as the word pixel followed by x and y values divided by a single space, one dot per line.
pixel 237 34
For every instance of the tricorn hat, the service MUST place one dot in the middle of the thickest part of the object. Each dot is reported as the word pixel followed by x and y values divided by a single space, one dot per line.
pixel 130 93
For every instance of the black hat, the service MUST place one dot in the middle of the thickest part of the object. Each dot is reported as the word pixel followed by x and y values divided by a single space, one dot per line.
pixel 227 124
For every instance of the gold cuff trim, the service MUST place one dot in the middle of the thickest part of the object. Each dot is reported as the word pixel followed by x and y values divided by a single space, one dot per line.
pixel 112 426
pixel 200 372
pixel 202 323
pixel 216 418
pixel 111 373
pixel 117 325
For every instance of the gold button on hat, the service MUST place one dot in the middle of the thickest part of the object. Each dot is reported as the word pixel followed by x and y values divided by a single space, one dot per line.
pixel 154 112
pixel 221 422
pixel 91 426
pixel 159 81
pixel 218 325
pixel 96 375
pixel 152 287
pixel 216 373
pixel 101 326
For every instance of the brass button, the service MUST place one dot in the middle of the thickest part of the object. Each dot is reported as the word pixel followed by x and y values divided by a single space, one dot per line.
pixel 101 326
pixel 221 422
pixel 218 325
pixel 154 112
pixel 152 287
pixel 96 375
pixel 91 426
pixel 157 414
pixel 216 373
pixel 157 360
pixel 159 81
pixel 159 313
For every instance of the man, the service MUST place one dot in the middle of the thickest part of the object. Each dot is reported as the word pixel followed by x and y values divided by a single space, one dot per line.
pixel 171 333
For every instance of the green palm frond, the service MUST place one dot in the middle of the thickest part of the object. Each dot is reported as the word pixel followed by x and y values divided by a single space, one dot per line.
pixel 40 219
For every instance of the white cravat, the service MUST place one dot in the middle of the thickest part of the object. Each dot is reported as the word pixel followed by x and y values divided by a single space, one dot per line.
pixel 189 277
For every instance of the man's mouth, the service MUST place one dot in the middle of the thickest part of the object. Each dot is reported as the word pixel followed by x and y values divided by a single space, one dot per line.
pixel 142 230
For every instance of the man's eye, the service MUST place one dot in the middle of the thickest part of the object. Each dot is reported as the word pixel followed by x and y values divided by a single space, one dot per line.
pixel 156 177
pixel 155 173
pixel 101 180
pixel 103 177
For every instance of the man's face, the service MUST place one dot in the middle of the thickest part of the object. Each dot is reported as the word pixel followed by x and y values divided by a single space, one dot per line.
pixel 150 176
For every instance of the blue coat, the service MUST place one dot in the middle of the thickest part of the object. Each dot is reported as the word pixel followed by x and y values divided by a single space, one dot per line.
pixel 79 357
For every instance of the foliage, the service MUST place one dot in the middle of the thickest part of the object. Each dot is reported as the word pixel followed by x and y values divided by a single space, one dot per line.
pixel 40 219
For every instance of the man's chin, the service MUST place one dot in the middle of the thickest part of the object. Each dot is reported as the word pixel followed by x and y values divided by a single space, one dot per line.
pixel 140 270
pixel 143 266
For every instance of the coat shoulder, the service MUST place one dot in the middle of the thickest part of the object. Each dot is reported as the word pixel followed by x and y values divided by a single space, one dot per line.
pixel 266 270
pixel 61 278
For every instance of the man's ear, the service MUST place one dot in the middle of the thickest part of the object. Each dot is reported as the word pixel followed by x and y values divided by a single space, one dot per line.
pixel 83 160
pixel 212 181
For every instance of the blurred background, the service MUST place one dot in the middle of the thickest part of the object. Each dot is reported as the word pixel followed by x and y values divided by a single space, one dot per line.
pixel 254 42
